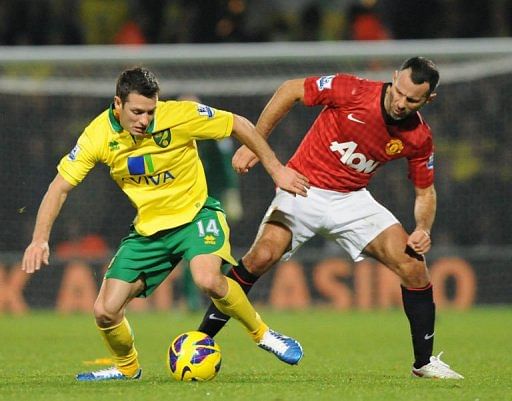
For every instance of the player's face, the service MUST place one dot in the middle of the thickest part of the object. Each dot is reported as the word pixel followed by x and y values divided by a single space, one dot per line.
pixel 136 113
pixel 404 96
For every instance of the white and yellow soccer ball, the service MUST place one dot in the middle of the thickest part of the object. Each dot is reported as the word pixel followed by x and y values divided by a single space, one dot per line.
pixel 193 356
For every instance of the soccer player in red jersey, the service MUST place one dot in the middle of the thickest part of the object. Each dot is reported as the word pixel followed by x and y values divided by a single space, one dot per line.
pixel 363 125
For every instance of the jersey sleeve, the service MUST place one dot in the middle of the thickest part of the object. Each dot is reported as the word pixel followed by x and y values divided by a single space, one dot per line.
pixel 329 90
pixel 75 166
pixel 209 123
pixel 421 166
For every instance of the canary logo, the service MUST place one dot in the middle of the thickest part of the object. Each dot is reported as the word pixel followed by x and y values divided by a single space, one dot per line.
pixel 209 240
pixel 162 138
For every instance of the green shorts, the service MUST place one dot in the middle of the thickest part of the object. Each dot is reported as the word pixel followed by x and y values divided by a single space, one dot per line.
pixel 154 257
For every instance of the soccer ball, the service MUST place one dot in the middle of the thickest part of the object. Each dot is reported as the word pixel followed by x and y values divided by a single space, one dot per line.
pixel 193 356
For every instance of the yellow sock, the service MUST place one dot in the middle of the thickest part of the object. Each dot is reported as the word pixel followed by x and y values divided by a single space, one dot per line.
pixel 236 304
pixel 120 342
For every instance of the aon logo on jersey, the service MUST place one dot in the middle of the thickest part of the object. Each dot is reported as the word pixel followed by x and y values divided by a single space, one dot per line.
pixel 351 158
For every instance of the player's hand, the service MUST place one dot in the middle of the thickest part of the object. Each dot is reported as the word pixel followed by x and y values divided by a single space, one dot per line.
pixel 291 181
pixel 243 160
pixel 36 254
pixel 420 241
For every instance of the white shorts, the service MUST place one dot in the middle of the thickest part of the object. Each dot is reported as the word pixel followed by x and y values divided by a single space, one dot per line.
pixel 352 219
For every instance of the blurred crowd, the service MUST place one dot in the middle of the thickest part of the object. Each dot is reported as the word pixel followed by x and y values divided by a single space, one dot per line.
pixel 66 22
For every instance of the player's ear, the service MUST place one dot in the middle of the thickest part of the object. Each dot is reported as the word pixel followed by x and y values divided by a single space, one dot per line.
pixel 117 103
pixel 431 97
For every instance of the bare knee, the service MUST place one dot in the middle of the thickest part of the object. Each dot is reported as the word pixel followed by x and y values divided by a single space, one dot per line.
pixel 413 273
pixel 106 316
pixel 390 248
pixel 208 277
pixel 261 257
pixel 210 284
pixel 271 243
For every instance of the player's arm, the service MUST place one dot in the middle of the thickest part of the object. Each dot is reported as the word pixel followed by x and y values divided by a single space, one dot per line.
pixel 38 251
pixel 284 177
pixel 278 106
pixel 424 213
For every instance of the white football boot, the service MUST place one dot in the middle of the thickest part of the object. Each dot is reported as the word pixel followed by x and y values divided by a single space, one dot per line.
pixel 436 369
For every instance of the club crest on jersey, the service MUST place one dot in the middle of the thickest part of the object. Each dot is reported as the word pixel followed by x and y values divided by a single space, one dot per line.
pixel 394 147
pixel 324 82
pixel 74 153
pixel 430 162
pixel 162 138
pixel 204 110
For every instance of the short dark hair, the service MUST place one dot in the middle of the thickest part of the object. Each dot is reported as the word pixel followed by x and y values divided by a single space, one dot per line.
pixel 139 80
pixel 422 70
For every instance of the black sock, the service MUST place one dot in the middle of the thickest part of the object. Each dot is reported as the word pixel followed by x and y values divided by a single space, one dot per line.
pixel 214 320
pixel 420 310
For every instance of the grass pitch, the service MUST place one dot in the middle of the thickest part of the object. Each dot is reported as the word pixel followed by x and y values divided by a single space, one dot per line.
pixel 348 356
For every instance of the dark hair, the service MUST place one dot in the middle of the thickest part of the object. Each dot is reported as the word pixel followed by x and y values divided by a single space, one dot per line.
pixel 422 70
pixel 139 80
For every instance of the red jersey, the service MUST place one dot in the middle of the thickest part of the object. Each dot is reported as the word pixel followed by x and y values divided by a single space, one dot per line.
pixel 351 137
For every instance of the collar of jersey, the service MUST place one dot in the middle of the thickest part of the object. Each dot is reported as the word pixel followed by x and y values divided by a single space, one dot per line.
pixel 116 126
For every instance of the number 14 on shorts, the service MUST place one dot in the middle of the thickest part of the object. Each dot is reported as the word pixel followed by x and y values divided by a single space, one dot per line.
pixel 211 227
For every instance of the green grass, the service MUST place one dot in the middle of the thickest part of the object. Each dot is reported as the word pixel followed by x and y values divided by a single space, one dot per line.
pixel 348 356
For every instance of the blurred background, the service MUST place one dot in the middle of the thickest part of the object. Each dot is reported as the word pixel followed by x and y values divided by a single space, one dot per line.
pixel 93 22
pixel 59 61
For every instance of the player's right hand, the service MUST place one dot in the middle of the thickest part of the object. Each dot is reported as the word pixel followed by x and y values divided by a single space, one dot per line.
pixel 36 254
pixel 243 160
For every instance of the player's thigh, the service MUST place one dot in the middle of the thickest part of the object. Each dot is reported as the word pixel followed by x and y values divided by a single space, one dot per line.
pixel 114 294
pixel 354 220
pixel 289 222
pixel 144 259
pixel 206 272
pixel 390 248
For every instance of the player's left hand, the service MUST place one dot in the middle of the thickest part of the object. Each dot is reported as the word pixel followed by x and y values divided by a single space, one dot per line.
pixel 291 181
pixel 420 241
pixel 244 159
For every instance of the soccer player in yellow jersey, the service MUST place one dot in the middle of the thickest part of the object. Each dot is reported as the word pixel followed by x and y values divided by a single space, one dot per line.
pixel 150 148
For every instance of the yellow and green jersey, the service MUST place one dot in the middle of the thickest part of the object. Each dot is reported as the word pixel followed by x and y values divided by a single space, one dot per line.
pixel 162 173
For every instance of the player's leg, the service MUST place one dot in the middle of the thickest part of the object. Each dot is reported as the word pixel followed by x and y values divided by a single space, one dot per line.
pixel 359 224
pixel 390 248
pixel 230 299
pixel 272 241
pixel 115 330
pixel 225 293
pixel 137 269
pixel 288 223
